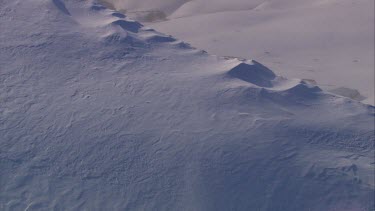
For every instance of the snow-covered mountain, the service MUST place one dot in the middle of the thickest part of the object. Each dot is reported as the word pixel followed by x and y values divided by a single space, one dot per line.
pixel 329 41
pixel 100 113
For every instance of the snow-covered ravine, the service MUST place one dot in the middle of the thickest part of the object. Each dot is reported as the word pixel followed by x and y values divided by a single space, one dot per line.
pixel 328 41
pixel 100 113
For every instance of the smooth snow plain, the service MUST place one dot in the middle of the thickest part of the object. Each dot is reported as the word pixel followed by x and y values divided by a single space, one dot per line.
pixel 328 41
pixel 100 113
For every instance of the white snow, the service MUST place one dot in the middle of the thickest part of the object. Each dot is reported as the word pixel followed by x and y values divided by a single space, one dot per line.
pixel 329 41
pixel 100 113
pixel 167 6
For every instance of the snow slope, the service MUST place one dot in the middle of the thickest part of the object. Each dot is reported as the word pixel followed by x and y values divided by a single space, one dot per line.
pixel 167 6
pixel 100 113
pixel 329 41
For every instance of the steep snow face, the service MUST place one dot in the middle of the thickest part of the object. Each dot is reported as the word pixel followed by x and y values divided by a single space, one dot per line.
pixel 100 113
pixel 329 41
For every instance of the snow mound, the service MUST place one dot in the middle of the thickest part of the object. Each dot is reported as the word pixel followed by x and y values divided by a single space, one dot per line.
pixel 131 26
pixel 155 37
pixel 277 87
pixel 118 15
pixel 302 89
pixel 254 73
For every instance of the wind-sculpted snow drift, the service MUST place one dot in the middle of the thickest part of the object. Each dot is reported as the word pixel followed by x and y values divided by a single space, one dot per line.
pixel 100 113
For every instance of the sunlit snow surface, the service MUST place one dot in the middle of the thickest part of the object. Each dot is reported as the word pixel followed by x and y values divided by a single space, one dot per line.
pixel 329 41
pixel 100 113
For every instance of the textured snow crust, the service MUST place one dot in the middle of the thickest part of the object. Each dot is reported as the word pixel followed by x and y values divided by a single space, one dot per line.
pixel 98 112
